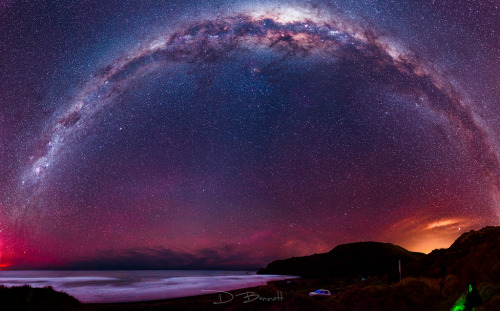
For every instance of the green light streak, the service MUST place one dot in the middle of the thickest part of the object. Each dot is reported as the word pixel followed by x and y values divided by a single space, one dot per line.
pixel 459 304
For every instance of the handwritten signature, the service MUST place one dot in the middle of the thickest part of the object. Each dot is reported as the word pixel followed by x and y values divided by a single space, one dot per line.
pixel 246 296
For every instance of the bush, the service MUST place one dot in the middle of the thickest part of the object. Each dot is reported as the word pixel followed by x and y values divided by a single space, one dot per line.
pixel 28 298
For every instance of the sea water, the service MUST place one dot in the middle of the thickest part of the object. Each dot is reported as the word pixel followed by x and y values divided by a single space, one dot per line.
pixel 137 285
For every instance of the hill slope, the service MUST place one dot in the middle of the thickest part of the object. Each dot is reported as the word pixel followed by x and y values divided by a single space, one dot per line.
pixel 475 255
pixel 346 260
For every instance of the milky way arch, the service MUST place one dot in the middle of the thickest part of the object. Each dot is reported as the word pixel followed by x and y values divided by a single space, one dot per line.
pixel 291 34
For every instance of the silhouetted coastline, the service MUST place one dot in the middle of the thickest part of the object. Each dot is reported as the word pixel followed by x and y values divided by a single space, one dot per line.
pixel 437 281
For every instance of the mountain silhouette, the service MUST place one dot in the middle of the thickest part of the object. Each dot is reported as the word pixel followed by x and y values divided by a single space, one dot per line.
pixel 360 259
pixel 474 255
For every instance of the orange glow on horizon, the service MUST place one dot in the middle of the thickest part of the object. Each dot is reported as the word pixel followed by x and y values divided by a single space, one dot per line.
pixel 421 234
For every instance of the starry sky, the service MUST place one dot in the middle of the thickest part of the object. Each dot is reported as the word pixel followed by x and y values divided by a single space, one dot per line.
pixel 224 135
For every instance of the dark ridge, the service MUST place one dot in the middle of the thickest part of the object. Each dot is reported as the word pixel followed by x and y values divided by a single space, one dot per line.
pixel 361 259
pixel 475 255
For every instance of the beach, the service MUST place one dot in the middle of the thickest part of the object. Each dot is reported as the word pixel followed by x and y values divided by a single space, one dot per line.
pixel 276 295
pixel 137 285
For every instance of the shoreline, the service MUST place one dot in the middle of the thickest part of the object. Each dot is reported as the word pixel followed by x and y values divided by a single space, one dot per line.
pixel 138 286
pixel 276 295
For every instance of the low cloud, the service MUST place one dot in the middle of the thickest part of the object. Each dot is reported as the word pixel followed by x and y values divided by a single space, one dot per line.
pixel 224 258
pixel 445 223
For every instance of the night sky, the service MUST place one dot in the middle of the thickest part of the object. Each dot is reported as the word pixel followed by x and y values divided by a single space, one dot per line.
pixel 206 134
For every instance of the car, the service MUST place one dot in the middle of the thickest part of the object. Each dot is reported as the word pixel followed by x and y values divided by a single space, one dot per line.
pixel 320 293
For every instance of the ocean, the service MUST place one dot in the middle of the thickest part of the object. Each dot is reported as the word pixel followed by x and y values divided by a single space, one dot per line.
pixel 137 285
